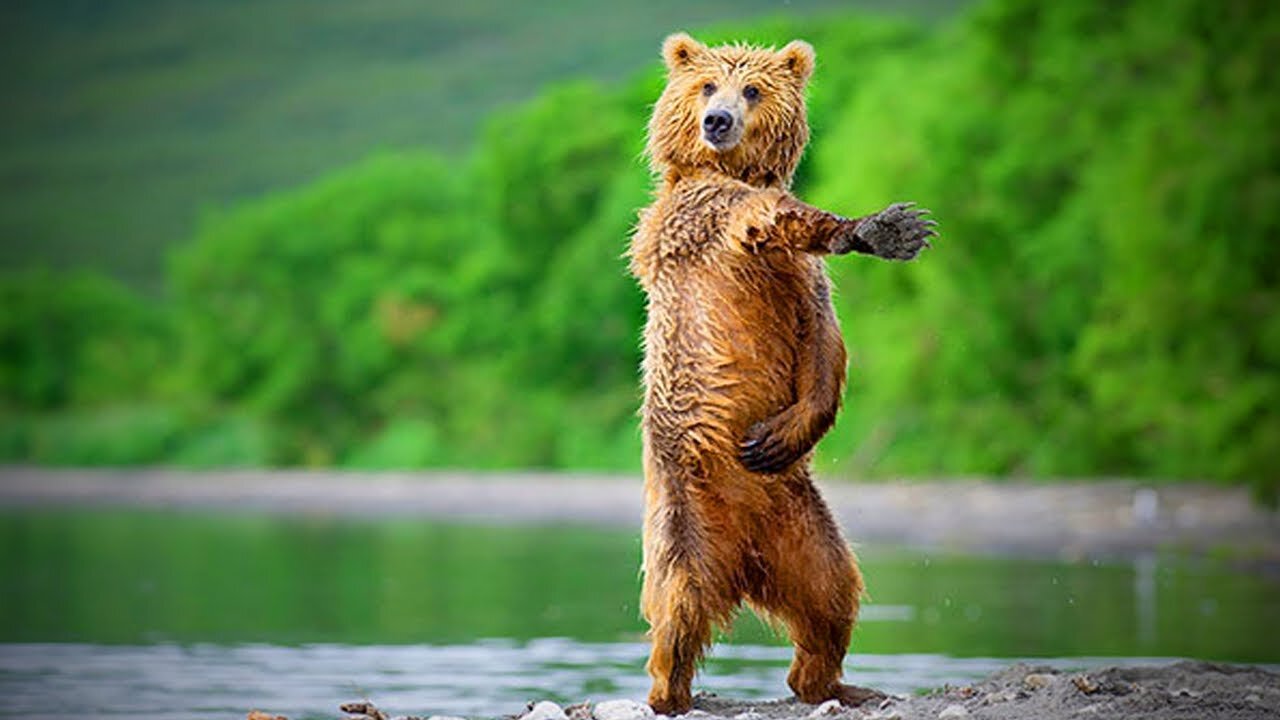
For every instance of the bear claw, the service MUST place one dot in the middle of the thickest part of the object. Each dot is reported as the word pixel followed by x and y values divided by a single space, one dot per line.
pixel 764 452
pixel 900 231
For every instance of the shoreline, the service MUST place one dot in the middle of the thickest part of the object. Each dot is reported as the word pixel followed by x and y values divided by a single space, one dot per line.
pixel 1176 691
pixel 1069 519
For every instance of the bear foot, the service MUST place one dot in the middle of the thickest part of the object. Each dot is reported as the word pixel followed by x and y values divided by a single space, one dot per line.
pixel 671 706
pixel 853 696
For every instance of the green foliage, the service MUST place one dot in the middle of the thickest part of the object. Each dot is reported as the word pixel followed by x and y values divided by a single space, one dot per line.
pixel 75 338
pixel 407 312
pixel 1103 299
pixel 561 184
pixel 308 309
pixel 403 443
pixel 109 435
pixel 222 441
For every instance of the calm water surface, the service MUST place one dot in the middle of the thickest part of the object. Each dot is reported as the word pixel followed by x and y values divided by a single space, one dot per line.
pixel 203 615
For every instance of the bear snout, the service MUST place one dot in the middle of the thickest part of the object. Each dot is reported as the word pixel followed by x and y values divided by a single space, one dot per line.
pixel 720 129
pixel 717 122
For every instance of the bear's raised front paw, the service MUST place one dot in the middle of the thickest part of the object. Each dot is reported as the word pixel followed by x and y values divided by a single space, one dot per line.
pixel 899 232
pixel 766 450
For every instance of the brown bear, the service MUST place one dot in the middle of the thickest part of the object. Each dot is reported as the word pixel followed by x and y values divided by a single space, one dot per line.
pixel 744 368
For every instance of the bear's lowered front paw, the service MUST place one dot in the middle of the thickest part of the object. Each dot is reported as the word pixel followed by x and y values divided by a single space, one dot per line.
pixel 899 231
pixel 767 449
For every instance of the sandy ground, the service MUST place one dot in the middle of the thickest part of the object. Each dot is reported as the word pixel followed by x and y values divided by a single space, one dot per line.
pixel 1065 519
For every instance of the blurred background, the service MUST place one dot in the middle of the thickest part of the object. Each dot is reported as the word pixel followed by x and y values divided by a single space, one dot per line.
pixel 321 236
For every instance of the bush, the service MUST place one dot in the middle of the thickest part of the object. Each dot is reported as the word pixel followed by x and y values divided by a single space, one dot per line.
pixel 75 338
pixel 130 434
pixel 308 309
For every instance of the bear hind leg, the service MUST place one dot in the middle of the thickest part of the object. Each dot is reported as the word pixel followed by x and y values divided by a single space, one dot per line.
pixel 686 593
pixel 679 631
pixel 819 615
pixel 812 584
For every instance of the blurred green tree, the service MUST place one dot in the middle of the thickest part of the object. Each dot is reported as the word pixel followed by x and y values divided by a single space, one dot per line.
pixel 81 362
pixel 330 309
pixel 75 338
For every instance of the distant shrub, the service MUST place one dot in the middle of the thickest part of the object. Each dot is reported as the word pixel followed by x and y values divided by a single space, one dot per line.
pixel 105 435
pixel 76 338
pixel 225 439
pixel 403 444
pixel 322 310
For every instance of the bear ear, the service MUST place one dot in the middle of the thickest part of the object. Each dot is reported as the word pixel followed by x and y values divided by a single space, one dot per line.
pixel 680 51
pixel 798 58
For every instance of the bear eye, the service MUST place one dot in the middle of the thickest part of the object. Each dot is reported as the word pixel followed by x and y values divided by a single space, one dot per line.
pixel 751 93
pixel 708 89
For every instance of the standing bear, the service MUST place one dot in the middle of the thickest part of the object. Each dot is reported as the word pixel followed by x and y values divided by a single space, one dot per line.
pixel 744 368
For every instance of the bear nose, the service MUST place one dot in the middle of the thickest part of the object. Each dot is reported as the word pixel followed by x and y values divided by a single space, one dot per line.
pixel 717 122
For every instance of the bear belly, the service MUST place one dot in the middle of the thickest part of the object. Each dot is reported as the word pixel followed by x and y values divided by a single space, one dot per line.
pixel 718 359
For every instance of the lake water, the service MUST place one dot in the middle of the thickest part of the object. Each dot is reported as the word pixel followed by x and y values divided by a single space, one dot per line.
pixel 194 615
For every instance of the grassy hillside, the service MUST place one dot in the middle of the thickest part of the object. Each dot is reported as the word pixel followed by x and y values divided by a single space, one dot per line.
pixel 124 120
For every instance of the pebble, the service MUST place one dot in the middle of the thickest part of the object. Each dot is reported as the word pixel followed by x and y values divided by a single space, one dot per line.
pixel 1085 684
pixel 545 710
pixel 951 712
pixel 622 710
pixel 827 709
pixel 890 714
pixel 1003 696
pixel 1035 681
pixel 445 717
pixel 749 715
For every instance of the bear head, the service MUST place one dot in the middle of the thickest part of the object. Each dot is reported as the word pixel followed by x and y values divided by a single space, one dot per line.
pixel 734 109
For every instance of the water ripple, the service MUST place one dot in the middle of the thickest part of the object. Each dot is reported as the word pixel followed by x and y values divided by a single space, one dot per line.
pixel 488 678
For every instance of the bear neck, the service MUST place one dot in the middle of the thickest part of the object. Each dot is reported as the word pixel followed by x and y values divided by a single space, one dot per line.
pixel 757 177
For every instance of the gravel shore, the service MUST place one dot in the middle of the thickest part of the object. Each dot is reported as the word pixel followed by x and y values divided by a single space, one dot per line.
pixel 1181 691
pixel 1190 690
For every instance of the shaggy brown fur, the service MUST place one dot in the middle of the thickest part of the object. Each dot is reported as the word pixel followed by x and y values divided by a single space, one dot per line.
pixel 744 368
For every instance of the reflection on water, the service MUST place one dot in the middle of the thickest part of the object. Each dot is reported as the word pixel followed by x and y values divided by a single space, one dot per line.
pixel 149 611
pixel 1144 597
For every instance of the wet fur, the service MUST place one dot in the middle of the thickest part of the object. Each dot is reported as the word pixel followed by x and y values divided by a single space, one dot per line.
pixel 744 370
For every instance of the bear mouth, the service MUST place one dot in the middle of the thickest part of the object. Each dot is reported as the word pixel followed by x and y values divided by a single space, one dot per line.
pixel 722 141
